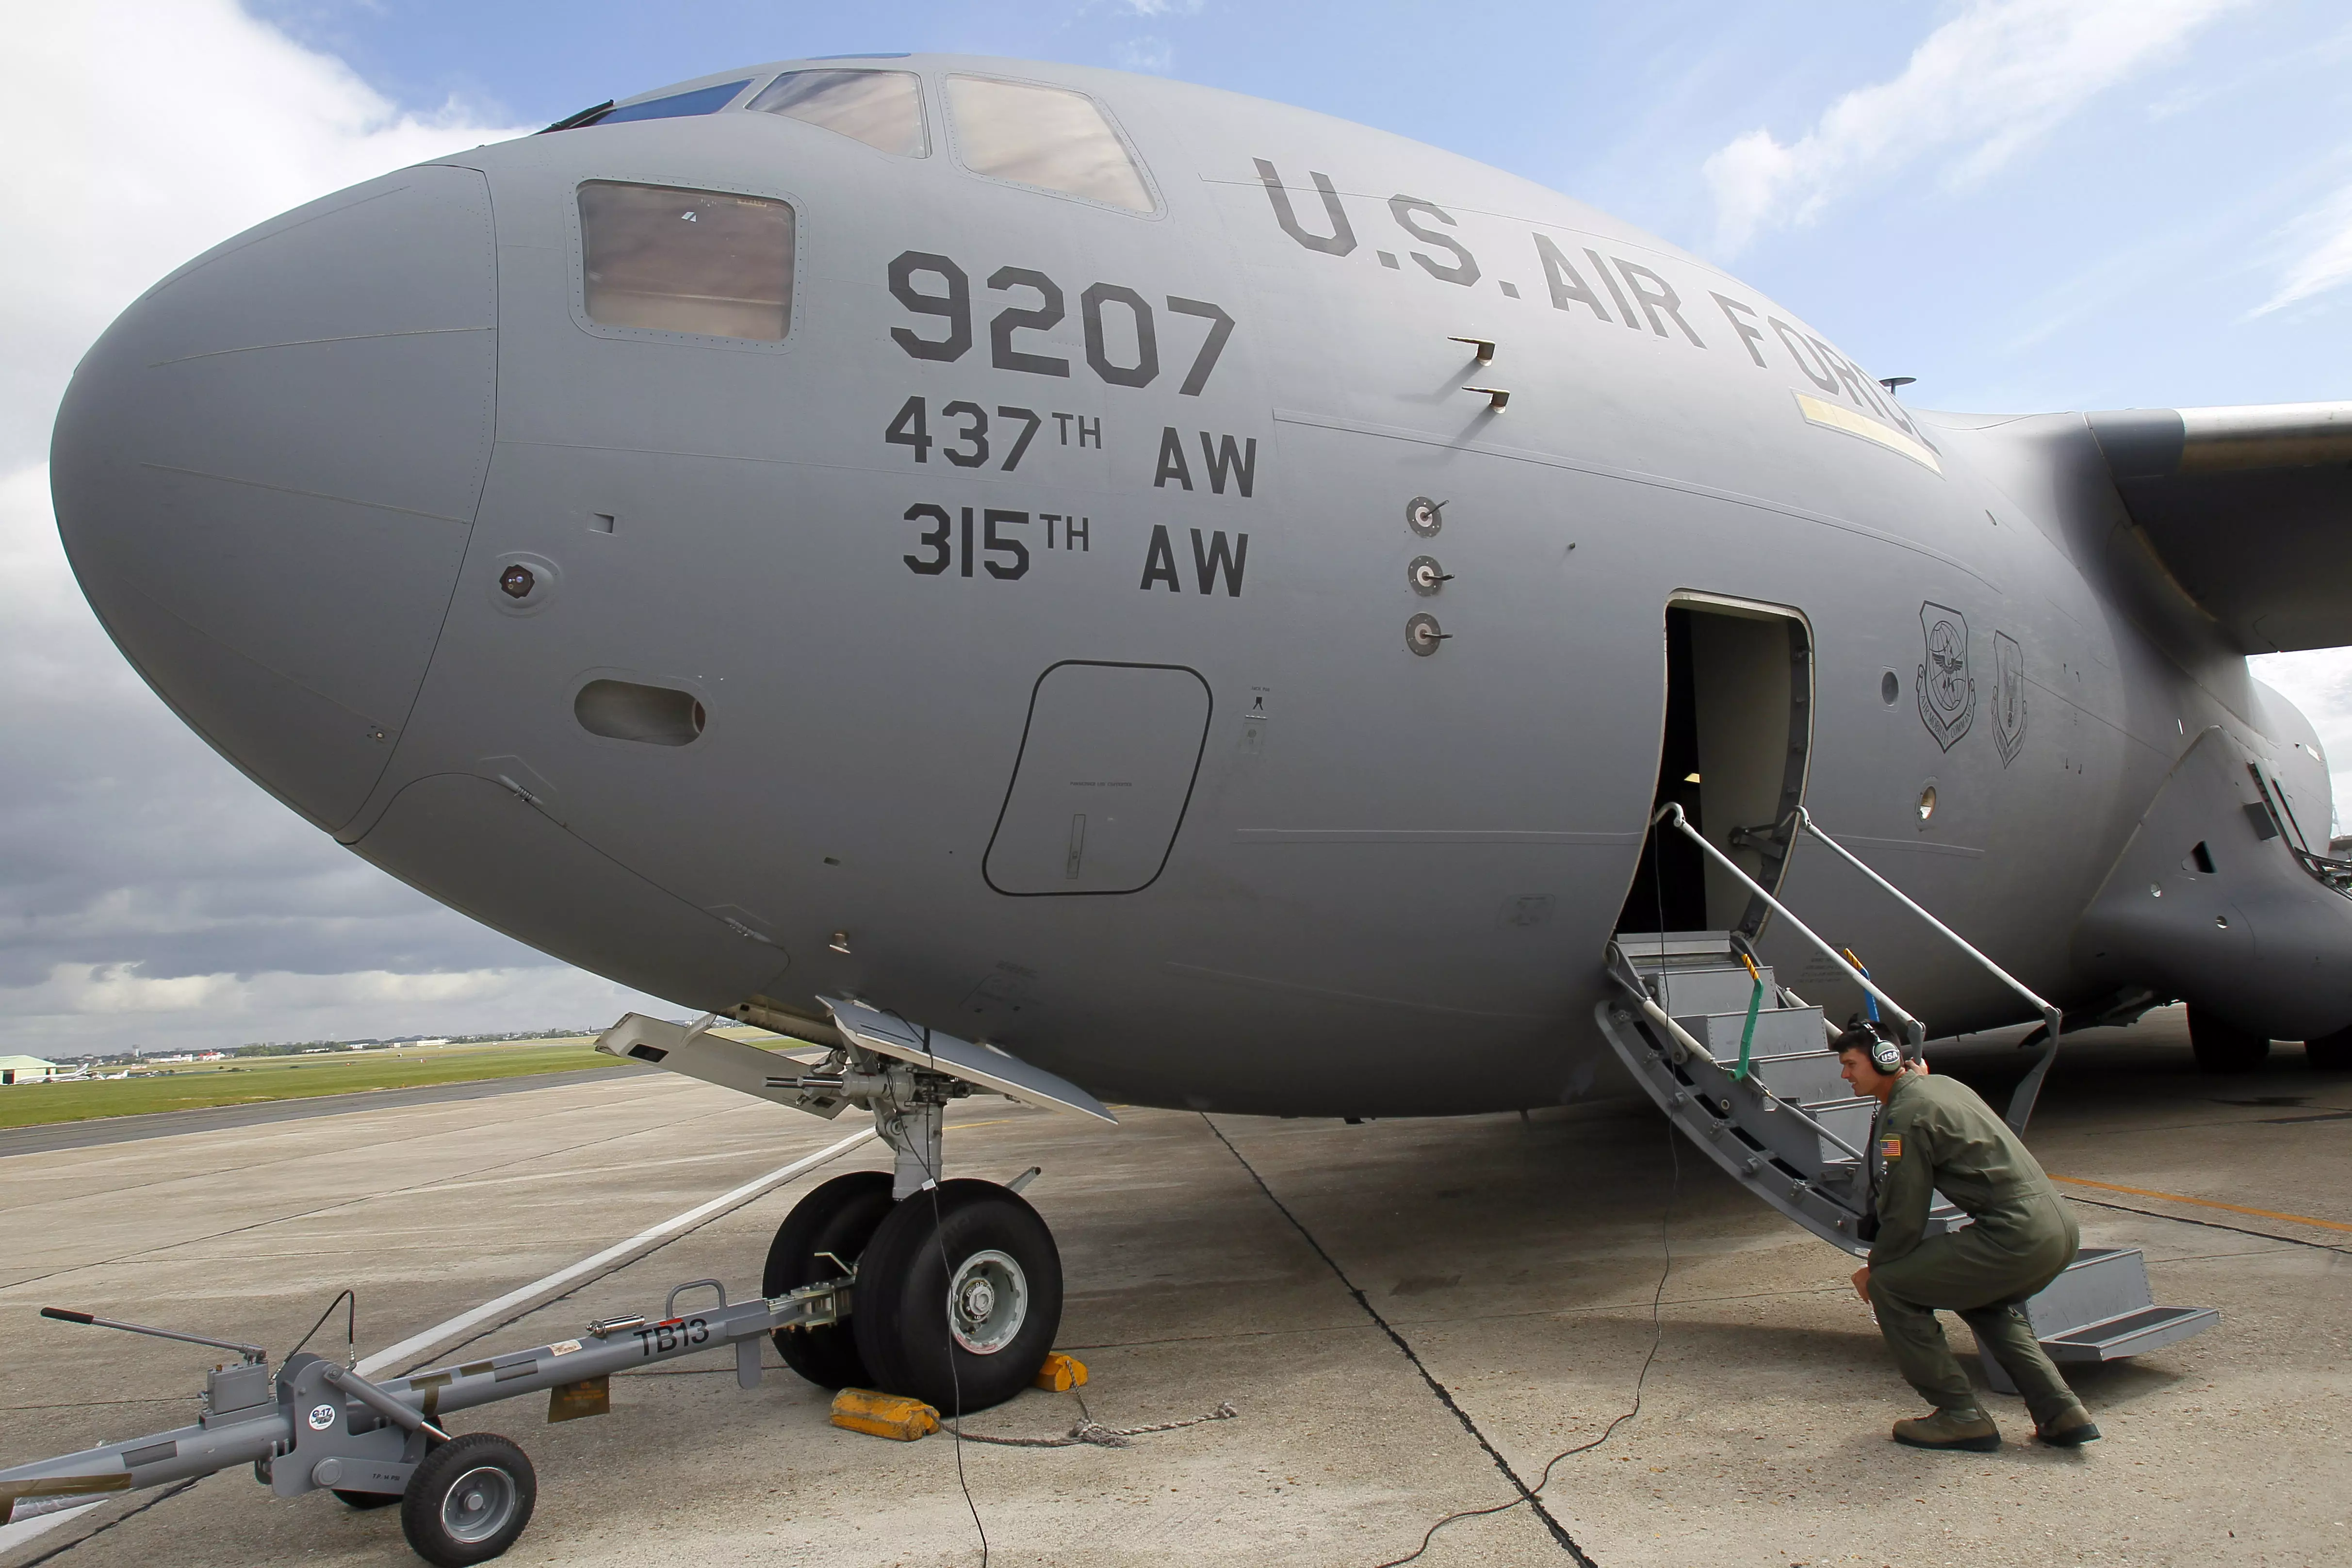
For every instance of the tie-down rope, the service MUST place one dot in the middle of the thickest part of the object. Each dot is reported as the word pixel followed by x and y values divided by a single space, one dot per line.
pixel 1095 1432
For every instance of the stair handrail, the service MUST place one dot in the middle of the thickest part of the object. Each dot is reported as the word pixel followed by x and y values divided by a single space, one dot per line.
pixel 1671 814
pixel 2051 1018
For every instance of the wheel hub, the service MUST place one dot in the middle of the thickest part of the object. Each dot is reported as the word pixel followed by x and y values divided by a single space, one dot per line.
pixel 988 1302
pixel 478 1506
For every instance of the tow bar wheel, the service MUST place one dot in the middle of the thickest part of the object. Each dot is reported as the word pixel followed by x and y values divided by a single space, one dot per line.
pixel 470 1500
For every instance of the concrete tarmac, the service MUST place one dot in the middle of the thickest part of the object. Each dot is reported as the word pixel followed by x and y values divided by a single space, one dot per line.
pixel 1393 1308
pixel 47 1136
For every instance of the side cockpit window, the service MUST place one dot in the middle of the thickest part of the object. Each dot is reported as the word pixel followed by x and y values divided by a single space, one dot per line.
pixel 882 109
pixel 1044 136
pixel 666 260
pixel 677 106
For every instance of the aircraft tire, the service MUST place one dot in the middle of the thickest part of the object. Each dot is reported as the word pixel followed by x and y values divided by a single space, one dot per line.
pixel 469 1501
pixel 838 1217
pixel 959 1297
pixel 2223 1047
pixel 2330 1053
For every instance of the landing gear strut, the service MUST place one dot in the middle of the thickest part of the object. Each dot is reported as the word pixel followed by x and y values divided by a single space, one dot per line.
pixel 959 1285
pixel 954 1287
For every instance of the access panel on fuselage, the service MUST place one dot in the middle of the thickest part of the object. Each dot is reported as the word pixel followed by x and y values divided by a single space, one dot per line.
pixel 1105 770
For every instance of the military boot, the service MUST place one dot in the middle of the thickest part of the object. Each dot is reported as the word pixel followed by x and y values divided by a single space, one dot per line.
pixel 1972 1429
pixel 2071 1430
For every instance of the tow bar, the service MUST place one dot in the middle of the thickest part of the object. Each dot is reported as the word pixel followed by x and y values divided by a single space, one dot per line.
pixel 318 1424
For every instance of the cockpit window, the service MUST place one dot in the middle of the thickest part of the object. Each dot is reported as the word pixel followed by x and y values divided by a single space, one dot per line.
pixel 677 105
pixel 881 108
pixel 1044 136
pixel 671 260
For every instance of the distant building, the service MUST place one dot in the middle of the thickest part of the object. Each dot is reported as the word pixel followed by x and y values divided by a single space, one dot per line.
pixel 26 1069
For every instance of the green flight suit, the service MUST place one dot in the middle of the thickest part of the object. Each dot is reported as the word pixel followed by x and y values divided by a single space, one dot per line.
pixel 1934 1134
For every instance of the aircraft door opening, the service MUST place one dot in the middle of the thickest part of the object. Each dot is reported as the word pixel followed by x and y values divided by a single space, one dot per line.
pixel 1734 751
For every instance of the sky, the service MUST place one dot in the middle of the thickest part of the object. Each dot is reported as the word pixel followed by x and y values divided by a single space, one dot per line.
pixel 2028 205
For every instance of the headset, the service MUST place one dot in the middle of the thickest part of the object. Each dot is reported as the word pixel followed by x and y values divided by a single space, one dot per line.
pixel 1886 1053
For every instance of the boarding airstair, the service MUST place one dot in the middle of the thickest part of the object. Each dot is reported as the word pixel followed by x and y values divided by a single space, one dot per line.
pixel 1742 1065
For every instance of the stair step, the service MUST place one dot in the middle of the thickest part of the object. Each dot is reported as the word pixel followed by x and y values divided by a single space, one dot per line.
pixel 1711 988
pixel 2101 1284
pixel 1850 1120
pixel 1645 948
pixel 2102 1309
pixel 1779 1032
pixel 2134 1333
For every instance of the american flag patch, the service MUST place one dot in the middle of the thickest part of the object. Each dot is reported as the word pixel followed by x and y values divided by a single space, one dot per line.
pixel 1890 1148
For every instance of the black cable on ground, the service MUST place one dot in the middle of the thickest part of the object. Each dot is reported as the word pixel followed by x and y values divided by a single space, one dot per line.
pixel 956 1381
pixel 955 1378
pixel 1444 1395
pixel 1657 1333
pixel 350 1326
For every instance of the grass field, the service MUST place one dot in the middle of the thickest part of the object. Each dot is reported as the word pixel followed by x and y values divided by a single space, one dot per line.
pixel 242 1080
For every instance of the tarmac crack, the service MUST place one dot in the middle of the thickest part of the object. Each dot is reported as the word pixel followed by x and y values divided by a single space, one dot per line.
pixel 59 1550
pixel 2213 1224
pixel 1443 1395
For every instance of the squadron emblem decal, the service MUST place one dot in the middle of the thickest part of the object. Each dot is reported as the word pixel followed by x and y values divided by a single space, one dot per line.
pixel 2008 697
pixel 1947 693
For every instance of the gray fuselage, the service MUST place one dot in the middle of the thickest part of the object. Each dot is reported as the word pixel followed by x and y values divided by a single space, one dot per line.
pixel 1263 854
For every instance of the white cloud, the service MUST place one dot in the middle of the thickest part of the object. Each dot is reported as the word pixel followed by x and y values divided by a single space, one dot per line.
pixel 2320 254
pixel 141 135
pixel 147 892
pixel 1144 54
pixel 1163 8
pixel 83 1007
pixel 1979 90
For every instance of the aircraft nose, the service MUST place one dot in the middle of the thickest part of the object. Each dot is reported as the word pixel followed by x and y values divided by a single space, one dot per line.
pixel 265 470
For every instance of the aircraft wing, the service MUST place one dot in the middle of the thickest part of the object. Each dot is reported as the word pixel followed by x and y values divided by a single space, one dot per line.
pixel 2249 509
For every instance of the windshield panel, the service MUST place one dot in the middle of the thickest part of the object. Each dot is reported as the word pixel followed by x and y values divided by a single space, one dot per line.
pixel 677 105
pixel 1044 136
pixel 882 109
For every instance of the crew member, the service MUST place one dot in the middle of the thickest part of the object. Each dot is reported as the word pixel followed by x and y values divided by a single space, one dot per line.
pixel 1934 1135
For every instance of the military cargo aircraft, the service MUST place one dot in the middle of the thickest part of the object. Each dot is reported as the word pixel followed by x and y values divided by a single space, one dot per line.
pixel 1063 584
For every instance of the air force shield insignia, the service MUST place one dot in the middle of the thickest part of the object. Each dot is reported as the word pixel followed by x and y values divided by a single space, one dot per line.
pixel 1947 692
pixel 2008 697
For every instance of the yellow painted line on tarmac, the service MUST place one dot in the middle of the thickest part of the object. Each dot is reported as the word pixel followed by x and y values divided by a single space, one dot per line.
pixel 2203 1203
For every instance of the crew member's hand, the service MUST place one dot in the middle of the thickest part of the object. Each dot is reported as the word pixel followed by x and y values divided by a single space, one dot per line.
pixel 1862 1281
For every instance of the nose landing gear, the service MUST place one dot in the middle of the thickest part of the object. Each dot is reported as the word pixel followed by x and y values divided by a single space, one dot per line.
pixel 957 1293
pixel 956 1288
pixel 959 1297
